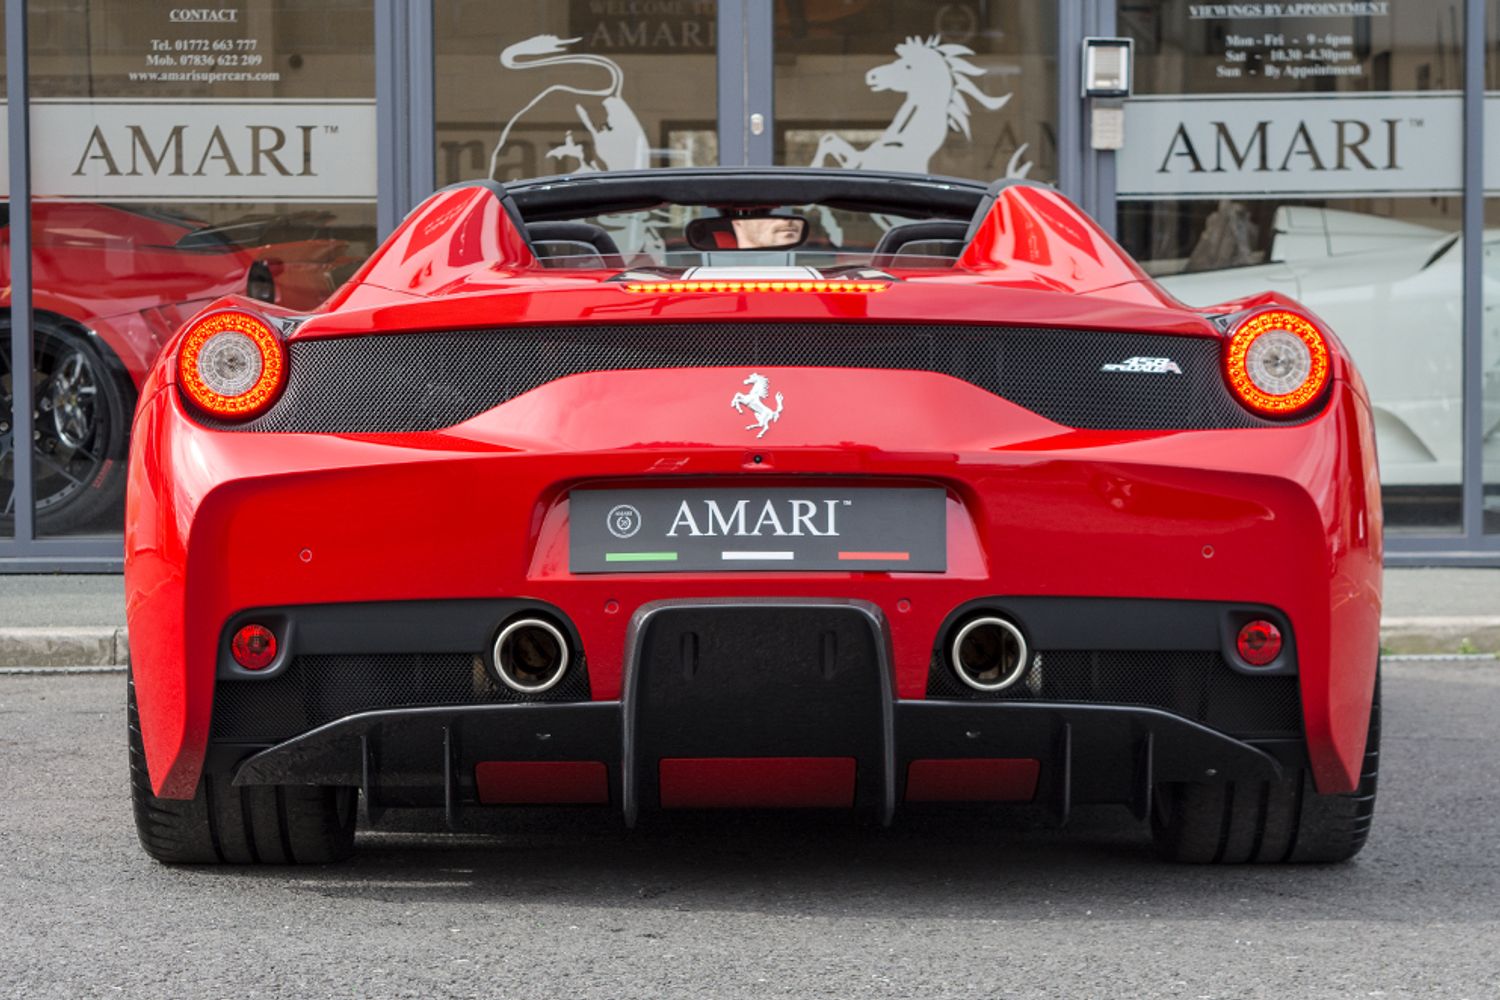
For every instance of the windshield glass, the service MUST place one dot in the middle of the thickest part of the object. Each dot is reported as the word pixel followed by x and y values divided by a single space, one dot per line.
pixel 656 238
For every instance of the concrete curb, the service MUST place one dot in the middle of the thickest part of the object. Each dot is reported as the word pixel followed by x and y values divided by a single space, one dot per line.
pixel 1468 634
pixel 94 646
pixel 106 645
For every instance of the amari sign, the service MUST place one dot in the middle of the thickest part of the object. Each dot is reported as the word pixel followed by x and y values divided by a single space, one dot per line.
pixel 220 151
pixel 1294 145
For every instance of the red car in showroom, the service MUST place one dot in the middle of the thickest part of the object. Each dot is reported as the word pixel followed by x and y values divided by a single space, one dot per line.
pixel 111 285
pixel 527 515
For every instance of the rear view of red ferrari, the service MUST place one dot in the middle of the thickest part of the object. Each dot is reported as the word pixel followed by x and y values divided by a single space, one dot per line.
pixel 635 491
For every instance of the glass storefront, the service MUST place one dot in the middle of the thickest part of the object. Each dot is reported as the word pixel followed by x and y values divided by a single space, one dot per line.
pixel 180 152
pixel 525 89
pixel 1320 156
pixel 178 155
pixel 923 86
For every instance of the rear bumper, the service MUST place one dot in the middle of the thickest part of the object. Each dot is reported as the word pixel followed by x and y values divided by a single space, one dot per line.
pixel 766 704
pixel 222 523
pixel 1055 755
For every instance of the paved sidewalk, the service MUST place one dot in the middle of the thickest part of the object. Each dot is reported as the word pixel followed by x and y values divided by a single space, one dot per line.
pixel 1441 611
pixel 79 621
pixel 62 621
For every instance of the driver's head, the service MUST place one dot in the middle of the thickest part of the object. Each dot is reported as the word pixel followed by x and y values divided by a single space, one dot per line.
pixel 769 231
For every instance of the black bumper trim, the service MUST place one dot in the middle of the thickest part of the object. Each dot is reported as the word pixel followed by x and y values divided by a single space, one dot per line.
pixel 1088 753
pixel 426 756
pixel 766 678
pixel 760 678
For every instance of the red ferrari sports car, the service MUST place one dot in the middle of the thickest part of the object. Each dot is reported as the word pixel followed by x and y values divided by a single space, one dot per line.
pixel 632 490
pixel 110 286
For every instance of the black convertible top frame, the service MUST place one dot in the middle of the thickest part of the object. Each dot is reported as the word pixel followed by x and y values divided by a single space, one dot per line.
pixel 921 196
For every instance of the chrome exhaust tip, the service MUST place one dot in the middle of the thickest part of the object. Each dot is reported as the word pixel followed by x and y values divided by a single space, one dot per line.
pixel 531 655
pixel 989 654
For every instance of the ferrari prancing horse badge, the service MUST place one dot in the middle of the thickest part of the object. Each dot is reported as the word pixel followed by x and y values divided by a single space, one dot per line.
pixel 760 387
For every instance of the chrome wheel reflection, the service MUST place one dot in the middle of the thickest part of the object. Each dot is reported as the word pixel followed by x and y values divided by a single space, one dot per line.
pixel 70 396
pixel 75 404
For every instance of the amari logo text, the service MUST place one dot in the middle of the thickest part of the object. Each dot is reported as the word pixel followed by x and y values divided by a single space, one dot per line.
pixel 1151 366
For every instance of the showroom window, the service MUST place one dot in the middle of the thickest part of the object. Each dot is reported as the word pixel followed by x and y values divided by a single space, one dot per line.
pixel 525 89
pixel 529 89
pixel 1320 156
pixel 178 154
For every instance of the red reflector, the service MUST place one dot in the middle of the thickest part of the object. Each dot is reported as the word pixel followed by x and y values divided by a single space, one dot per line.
pixel 541 782
pixel 253 647
pixel 995 779
pixel 757 782
pixel 1259 643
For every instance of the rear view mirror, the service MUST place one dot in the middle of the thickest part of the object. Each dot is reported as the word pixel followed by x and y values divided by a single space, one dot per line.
pixel 747 232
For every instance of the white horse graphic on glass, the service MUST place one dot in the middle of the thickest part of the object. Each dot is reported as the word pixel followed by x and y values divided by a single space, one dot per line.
pixel 937 81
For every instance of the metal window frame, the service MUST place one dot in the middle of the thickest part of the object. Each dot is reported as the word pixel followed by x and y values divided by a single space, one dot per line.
pixel 406 156
pixel 746 82
pixel 23 551
pixel 1470 546
pixel 405 111
pixel 1096 191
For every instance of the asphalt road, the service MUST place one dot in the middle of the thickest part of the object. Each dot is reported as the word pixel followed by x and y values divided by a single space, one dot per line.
pixel 567 905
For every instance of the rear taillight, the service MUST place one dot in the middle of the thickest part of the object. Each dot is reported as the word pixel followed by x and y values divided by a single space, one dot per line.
pixel 1277 362
pixel 232 365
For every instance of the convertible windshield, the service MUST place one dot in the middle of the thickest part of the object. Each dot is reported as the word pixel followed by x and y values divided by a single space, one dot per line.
pixel 754 217
pixel 657 237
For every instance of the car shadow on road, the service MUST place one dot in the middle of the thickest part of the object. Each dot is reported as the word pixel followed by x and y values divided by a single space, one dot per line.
pixel 930 863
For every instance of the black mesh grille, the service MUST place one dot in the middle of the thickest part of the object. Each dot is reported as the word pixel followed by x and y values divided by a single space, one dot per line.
pixel 1196 684
pixel 425 381
pixel 318 689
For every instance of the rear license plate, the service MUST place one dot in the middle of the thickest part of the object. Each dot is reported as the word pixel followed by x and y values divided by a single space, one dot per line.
pixel 777 530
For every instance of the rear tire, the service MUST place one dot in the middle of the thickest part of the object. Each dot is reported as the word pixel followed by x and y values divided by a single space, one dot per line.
pixel 223 824
pixel 1268 822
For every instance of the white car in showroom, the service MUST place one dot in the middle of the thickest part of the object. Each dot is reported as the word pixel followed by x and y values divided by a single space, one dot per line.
pixel 1392 291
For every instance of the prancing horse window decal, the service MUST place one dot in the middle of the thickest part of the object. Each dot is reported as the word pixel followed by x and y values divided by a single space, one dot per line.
pixel 936 79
